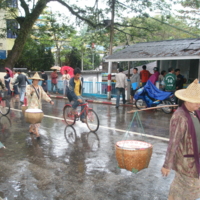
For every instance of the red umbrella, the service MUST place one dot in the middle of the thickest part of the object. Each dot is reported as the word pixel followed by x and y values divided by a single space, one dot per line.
pixel 69 70
pixel 9 71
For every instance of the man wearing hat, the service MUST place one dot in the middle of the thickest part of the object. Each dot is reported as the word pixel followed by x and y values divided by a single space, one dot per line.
pixel 183 153
pixel 35 94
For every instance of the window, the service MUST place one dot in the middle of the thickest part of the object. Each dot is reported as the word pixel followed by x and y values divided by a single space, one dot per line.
pixel 1 45
pixel 12 3
pixel 2 54
pixel 12 27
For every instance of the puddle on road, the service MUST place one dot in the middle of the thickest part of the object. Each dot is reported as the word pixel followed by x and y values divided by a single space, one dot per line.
pixel 71 163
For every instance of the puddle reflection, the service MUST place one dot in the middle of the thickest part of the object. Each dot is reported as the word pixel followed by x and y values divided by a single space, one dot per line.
pixel 5 124
pixel 89 141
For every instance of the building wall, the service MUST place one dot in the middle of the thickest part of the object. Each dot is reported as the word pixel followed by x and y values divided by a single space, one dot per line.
pixel 6 44
pixel 114 67
pixel 2 40
pixel 189 68
pixel 86 76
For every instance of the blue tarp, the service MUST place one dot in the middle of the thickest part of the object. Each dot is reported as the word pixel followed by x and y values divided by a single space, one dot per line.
pixel 153 92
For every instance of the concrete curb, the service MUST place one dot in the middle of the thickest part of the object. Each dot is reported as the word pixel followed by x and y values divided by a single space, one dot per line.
pixel 95 101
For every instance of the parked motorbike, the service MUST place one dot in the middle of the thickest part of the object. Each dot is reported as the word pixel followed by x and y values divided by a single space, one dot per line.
pixel 150 96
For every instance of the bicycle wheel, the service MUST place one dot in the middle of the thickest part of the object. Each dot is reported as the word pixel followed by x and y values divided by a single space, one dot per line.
pixel 4 107
pixel 140 104
pixel 70 134
pixel 68 116
pixel 167 110
pixel 92 120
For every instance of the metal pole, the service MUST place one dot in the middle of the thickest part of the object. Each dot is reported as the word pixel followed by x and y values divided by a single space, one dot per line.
pixel 82 60
pixel 93 58
pixel 110 49
pixel 128 69
pixel 129 83
pixel 199 70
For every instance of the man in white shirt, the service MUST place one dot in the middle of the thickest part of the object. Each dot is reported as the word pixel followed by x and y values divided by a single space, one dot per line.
pixel 121 84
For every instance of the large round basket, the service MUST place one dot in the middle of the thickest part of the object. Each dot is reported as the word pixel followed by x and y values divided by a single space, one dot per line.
pixel 23 107
pixel 133 155
pixel 33 116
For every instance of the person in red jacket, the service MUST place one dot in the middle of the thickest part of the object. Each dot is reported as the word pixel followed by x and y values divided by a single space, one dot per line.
pixel 54 80
pixel 144 75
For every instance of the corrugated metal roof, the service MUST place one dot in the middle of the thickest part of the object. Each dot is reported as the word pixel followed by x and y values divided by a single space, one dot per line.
pixel 161 50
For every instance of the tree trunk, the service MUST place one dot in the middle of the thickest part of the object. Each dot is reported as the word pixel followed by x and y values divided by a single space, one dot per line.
pixel 24 31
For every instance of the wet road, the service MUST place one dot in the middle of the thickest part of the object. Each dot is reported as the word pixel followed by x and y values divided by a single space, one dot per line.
pixel 82 167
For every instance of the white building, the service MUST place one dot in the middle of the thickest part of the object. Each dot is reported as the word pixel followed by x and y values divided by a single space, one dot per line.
pixel 8 27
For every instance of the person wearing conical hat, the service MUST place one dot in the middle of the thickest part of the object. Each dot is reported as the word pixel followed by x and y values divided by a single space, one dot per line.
pixel 183 153
pixel 35 94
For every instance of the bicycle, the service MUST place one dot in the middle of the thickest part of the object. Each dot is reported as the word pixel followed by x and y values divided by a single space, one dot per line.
pixel 92 119
pixel 4 103
pixel 89 140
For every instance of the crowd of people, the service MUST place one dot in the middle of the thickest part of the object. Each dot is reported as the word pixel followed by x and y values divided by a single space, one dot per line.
pixel 169 82
pixel 16 84
pixel 20 85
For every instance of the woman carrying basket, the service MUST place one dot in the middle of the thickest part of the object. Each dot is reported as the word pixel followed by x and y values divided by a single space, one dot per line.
pixel 183 151
pixel 35 94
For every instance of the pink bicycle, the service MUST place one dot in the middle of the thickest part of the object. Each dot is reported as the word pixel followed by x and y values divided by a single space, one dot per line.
pixel 92 119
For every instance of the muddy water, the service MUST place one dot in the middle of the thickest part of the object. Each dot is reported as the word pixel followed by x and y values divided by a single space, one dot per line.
pixel 75 164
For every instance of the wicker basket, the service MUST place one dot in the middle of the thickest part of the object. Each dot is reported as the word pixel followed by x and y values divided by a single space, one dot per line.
pixel 133 155
pixel 33 116
pixel 23 107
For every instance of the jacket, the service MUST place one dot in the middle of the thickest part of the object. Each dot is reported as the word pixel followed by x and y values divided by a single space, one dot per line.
pixel 182 153
pixel 21 80
pixel 33 101
pixel 121 81
pixel 135 78
pixel 44 76
pixel 179 82
pixel 70 90
pixel 54 77
pixel 154 77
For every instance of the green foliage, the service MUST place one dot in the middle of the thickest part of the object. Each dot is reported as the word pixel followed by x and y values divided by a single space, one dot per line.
pixel 62 36
pixel 36 56
pixel 77 50
pixel 190 12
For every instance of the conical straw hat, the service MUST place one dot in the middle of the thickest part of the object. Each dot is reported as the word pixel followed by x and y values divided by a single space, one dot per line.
pixel 36 77
pixel 191 93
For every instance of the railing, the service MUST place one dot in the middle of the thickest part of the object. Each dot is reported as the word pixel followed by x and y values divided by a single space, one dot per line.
pixel 89 87
pixel 98 87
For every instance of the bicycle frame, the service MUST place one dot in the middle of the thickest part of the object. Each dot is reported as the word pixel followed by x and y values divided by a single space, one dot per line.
pixel 85 109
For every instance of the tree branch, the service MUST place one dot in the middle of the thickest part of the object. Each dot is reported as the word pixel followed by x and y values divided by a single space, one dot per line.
pixel 75 13
pixel 25 7
pixel 133 26
pixel 123 31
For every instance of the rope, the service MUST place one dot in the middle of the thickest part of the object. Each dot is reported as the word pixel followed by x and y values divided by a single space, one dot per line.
pixel 137 117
